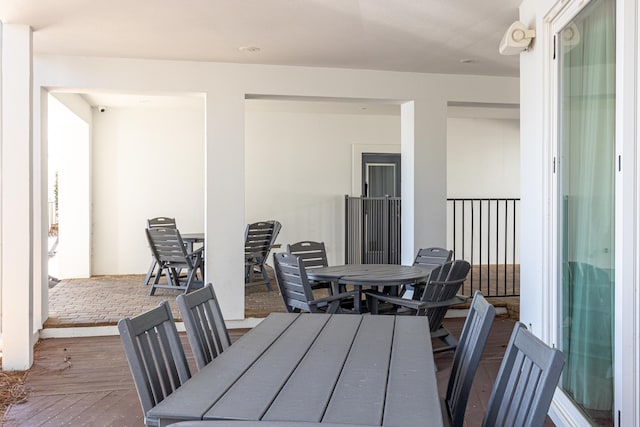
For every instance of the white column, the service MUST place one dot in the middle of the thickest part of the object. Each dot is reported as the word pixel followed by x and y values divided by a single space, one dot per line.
pixel 16 198
pixel 224 200
pixel 423 137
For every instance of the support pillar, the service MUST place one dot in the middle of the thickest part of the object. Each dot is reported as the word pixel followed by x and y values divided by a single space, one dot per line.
pixel 16 217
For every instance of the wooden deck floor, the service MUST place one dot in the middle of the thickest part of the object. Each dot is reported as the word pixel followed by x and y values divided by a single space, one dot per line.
pixel 86 381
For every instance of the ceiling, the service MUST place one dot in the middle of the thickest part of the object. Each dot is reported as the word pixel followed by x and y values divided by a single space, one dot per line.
pixel 431 36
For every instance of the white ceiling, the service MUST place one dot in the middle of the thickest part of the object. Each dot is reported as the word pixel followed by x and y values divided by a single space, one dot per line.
pixel 402 35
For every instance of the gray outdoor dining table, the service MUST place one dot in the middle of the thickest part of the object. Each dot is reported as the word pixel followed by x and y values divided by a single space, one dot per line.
pixel 373 275
pixel 341 369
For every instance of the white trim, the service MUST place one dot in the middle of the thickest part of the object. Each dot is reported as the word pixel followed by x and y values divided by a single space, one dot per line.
pixel 248 323
pixel 103 331
pixel 627 239
pixel 356 162
pixel 627 300
pixel 564 413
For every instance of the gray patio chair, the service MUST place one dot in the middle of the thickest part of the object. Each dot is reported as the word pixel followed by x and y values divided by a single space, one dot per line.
pixel 207 333
pixel 155 355
pixel 296 291
pixel 259 239
pixel 314 255
pixel 435 299
pixel 432 257
pixel 162 222
pixel 467 358
pixel 171 254
pixel 428 258
pixel 526 382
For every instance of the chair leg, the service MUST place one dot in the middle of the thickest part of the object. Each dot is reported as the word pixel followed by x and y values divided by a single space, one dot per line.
pixel 174 277
pixel 449 340
pixel 156 280
pixel 190 279
pixel 265 277
pixel 372 304
pixel 152 267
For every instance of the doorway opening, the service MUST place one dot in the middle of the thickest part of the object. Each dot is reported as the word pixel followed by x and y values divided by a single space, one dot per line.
pixel 381 174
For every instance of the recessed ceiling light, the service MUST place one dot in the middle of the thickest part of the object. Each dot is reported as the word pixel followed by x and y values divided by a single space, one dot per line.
pixel 467 61
pixel 249 49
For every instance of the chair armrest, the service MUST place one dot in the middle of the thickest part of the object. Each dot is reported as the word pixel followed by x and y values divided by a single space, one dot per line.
pixel 458 299
pixel 416 304
pixel 387 298
pixel 329 299
pixel 198 251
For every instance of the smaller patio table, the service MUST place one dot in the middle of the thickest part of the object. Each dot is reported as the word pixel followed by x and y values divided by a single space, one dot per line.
pixel 190 238
pixel 341 369
pixel 373 275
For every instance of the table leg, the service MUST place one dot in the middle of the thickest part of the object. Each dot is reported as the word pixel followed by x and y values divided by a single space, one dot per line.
pixel 357 300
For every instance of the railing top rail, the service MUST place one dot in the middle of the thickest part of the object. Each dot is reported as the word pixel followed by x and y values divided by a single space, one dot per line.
pixel 373 198
pixel 471 199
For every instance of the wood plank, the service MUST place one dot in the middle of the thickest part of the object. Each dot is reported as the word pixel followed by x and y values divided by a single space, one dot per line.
pixel 56 409
pixel 112 409
pixel 306 394
pixel 200 393
pixel 360 392
pixel 37 411
pixel 411 374
pixel 251 395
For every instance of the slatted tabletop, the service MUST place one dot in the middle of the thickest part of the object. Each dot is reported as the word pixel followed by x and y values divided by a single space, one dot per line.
pixel 341 369
pixel 372 275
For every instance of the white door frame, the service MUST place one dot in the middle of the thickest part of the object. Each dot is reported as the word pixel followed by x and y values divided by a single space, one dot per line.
pixel 627 185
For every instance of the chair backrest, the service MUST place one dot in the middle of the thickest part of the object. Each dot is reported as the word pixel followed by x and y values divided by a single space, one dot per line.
pixel 167 246
pixel 313 254
pixel 207 333
pixel 444 283
pixel 161 222
pixel 526 381
pixel 467 356
pixel 293 283
pixel 258 238
pixel 432 257
pixel 155 355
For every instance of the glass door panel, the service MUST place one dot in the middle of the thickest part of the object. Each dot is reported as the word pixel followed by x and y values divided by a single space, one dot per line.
pixel 381 180
pixel 586 53
pixel 380 175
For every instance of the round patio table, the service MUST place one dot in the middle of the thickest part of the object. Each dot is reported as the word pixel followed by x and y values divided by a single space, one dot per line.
pixel 373 275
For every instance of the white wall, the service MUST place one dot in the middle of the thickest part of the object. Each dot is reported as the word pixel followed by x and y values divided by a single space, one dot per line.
pixel 69 151
pixel 483 158
pixel 483 162
pixel 298 167
pixel 147 162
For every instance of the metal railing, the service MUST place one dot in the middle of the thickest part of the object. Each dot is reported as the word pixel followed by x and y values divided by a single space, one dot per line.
pixel 372 230
pixel 482 231
pixel 485 233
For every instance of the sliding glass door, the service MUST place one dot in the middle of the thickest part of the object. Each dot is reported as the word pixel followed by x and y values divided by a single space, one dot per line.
pixel 586 169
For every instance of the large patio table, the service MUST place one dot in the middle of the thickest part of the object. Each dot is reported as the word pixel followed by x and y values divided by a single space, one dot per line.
pixel 372 275
pixel 342 369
